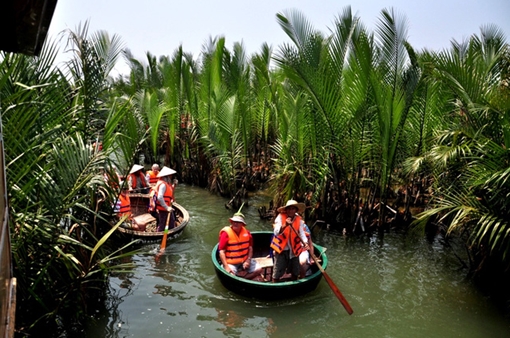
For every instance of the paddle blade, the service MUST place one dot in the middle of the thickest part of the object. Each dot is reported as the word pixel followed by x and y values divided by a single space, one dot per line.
pixel 337 293
pixel 163 242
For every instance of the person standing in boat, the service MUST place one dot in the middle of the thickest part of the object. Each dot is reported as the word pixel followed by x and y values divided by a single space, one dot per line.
pixel 286 244
pixel 137 180
pixel 152 175
pixel 236 249
pixel 164 191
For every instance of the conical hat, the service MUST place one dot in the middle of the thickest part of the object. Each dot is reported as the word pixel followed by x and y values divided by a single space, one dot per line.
pixel 291 203
pixel 135 168
pixel 166 171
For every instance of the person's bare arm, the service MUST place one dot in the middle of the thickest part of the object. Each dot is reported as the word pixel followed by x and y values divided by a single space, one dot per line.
pixel 223 258
pixel 247 262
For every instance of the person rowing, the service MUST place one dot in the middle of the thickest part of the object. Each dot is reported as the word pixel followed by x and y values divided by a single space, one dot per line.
pixel 285 243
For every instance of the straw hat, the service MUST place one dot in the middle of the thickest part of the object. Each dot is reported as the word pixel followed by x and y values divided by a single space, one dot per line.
pixel 237 218
pixel 291 203
pixel 166 172
pixel 135 168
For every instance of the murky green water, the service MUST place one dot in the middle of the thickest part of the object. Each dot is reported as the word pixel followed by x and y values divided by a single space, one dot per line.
pixel 397 288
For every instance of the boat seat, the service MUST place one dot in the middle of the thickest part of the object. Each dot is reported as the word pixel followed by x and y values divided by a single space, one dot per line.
pixel 144 219
pixel 266 264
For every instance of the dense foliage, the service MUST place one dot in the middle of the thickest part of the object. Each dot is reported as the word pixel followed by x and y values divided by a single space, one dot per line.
pixel 60 205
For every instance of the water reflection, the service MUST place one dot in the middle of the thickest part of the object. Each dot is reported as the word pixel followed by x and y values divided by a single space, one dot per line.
pixel 235 324
pixel 231 320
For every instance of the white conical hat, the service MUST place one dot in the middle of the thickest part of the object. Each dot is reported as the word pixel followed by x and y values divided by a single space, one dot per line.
pixel 291 203
pixel 135 168
pixel 166 171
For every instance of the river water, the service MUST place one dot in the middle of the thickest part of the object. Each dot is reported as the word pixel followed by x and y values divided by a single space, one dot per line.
pixel 397 287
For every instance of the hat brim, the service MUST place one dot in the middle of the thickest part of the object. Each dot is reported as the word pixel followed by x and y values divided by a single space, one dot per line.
pixel 238 219
pixel 166 172
pixel 300 206
pixel 135 168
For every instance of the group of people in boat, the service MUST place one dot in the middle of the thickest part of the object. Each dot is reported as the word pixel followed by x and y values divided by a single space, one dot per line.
pixel 290 246
pixel 160 185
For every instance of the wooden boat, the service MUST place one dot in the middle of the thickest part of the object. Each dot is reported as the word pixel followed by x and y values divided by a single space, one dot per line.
pixel 266 289
pixel 139 205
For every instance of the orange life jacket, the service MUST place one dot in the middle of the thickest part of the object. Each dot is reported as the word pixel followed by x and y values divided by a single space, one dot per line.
pixel 279 242
pixel 125 205
pixel 168 196
pixel 153 177
pixel 237 246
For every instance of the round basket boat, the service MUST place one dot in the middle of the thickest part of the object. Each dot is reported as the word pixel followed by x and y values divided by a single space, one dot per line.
pixel 268 290
pixel 139 205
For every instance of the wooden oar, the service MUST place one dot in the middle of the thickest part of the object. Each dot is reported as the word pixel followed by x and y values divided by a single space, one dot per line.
pixel 328 279
pixel 163 242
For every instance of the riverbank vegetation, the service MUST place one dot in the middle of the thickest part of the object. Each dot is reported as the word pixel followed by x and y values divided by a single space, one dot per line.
pixel 370 133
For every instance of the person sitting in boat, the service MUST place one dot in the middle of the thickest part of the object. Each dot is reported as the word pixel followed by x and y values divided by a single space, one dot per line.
pixel 137 180
pixel 236 249
pixel 164 191
pixel 123 204
pixel 304 257
pixel 152 175
pixel 289 240
pixel 123 208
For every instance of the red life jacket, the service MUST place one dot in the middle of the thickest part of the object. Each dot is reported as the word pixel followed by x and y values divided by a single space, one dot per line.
pixel 168 196
pixel 139 174
pixel 237 246
pixel 280 242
